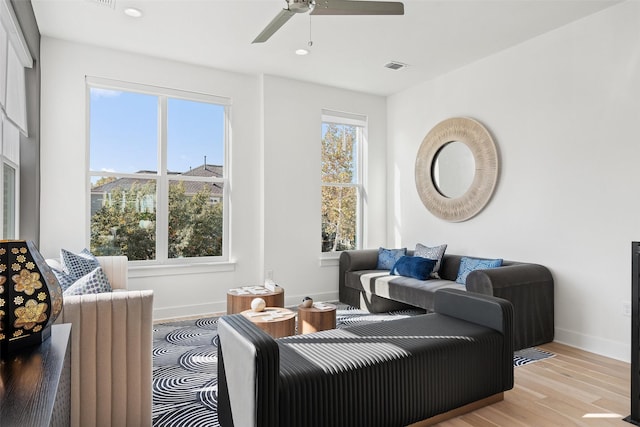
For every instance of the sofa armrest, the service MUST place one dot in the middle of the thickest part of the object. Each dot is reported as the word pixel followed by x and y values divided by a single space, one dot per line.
pixel 484 310
pixel 364 259
pixel 111 357
pixel 248 374
pixel 493 281
pixel 530 289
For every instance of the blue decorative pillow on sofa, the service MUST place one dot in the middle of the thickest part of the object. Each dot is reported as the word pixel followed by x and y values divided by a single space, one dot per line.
pixel 414 266
pixel 467 265
pixel 388 257
pixel 435 252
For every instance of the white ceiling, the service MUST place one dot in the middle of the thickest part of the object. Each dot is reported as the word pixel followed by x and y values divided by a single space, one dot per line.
pixel 433 37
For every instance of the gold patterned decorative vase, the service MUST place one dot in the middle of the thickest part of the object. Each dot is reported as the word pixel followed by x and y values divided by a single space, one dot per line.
pixel 30 297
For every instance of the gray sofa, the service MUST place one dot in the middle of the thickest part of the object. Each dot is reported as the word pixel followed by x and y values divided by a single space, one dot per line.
pixel 392 373
pixel 529 287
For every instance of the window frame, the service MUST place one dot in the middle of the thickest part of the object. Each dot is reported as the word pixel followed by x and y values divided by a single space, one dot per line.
pixel 15 58
pixel 161 177
pixel 360 122
pixel 10 157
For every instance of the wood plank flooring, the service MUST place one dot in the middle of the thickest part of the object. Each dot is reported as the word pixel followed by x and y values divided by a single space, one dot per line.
pixel 573 388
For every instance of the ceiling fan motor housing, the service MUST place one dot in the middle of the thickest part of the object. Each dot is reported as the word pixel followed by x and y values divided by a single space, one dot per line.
pixel 301 6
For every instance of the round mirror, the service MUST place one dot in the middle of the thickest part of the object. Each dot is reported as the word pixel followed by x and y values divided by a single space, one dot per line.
pixel 456 193
pixel 453 169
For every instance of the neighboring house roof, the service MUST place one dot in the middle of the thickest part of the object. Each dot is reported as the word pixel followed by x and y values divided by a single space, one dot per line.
pixel 191 187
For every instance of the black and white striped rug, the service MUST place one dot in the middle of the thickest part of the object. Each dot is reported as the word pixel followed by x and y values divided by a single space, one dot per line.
pixel 185 365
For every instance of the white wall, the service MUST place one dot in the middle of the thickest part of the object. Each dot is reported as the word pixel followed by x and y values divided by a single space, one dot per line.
pixel 563 109
pixel 292 176
pixel 275 196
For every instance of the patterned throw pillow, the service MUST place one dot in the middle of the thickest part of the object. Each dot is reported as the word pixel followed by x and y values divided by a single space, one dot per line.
pixel 467 265
pixel 93 283
pixel 388 257
pixel 64 278
pixel 80 264
pixel 436 252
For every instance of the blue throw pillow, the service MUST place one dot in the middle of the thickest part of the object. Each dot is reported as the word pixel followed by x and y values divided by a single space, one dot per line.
pixel 467 265
pixel 414 266
pixel 436 252
pixel 388 257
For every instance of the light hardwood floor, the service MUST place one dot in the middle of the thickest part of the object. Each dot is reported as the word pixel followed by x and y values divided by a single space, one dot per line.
pixel 573 388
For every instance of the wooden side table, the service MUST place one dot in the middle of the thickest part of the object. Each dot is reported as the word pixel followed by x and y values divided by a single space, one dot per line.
pixel 278 327
pixel 239 302
pixel 35 384
pixel 316 318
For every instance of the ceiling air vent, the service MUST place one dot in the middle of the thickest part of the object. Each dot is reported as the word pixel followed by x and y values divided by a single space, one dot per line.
pixel 107 3
pixel 395 65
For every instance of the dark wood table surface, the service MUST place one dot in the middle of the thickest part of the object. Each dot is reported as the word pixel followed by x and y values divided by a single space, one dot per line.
pixel 35 383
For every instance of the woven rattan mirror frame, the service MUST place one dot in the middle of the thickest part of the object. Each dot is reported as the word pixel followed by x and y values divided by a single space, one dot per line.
pixel 485 154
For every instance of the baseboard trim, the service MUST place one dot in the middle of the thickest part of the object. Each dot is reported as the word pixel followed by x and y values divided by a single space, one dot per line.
pixel 186 311
pixel 604 347
pixel 215 308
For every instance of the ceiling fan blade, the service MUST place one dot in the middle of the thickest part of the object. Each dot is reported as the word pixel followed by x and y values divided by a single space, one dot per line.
pixel 274 25
pixel 346 7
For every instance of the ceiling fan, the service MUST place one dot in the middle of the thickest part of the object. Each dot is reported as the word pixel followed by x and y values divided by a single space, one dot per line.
pixel 329 7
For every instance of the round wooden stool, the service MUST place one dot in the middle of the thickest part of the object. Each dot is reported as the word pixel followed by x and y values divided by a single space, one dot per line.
pixel 276 321
pixel 318 317
pixel 239 299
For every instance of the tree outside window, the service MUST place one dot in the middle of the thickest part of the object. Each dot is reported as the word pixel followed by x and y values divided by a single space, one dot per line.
pixel 341 183
pixel 157 173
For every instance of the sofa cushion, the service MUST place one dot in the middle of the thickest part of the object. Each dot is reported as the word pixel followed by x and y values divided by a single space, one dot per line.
pixel 388 257
pixel 467 265
pixel 418 293
pixel 412 266
pixel 435 252
pixel 93 283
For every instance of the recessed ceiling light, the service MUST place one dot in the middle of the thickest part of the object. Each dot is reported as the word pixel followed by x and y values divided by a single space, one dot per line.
pixel 133 12
pixel 302 52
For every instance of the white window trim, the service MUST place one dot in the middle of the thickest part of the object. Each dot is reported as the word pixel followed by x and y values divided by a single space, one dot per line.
pixel 13 103
pixel 162 179
pixel 14 33
pixel 9 156
pixel 330 259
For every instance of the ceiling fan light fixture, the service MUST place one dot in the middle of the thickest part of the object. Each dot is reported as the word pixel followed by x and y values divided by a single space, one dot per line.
pixel 395 65
pixel 133 12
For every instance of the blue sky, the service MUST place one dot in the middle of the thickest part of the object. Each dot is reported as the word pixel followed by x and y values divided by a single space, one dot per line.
pixel 124 132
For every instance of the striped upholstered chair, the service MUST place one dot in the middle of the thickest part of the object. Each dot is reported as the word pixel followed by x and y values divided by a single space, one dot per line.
pixel 111 344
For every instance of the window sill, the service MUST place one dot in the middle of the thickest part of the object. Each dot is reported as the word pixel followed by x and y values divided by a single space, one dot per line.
pixel 155 270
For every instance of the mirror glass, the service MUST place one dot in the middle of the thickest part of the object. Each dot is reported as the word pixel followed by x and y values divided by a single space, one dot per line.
pixel 453 169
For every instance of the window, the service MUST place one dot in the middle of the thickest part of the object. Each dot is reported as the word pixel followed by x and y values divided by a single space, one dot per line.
pixel 14 58
pixel 343 138
pixel 158 187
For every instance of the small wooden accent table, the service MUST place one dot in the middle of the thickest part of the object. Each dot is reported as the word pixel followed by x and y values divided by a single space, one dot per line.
pixel 282 326
pixel 239 301
pixel 318 317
